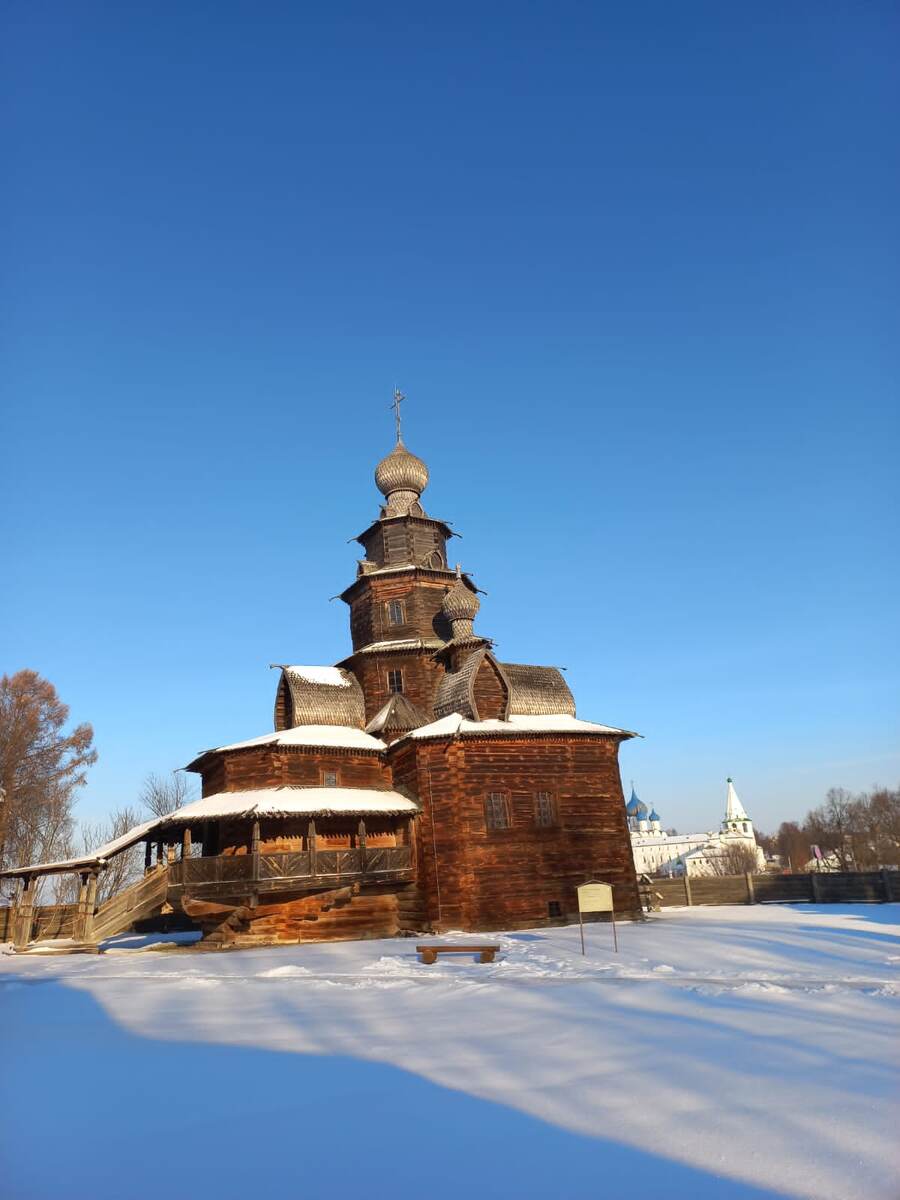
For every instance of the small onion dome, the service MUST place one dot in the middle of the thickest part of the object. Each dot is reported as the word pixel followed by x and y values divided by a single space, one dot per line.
pixel 401 471
pixel 460 603
pixel 654 815
pixel 636 807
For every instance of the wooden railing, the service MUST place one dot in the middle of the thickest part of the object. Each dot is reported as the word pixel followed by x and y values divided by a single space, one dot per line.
pixel 308 866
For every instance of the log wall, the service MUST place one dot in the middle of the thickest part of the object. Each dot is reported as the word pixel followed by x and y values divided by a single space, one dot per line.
pixel 339 914
pixel 476 878
pixel 297 766
pixel 421 675
pixel 421 597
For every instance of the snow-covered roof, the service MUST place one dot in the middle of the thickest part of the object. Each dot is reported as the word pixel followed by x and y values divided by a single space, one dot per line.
pixel 94 858
pixel 455 725
pixel 332 676
pixel 285 801
pixel 342 736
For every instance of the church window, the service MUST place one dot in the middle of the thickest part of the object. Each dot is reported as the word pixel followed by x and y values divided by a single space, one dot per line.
pixel 395 612
pixel 395 681
pixel 330 779
pixel 544 810
pixel 496 811
pixel 554 908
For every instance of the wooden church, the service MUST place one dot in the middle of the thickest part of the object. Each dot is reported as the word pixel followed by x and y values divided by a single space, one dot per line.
pixel 419 784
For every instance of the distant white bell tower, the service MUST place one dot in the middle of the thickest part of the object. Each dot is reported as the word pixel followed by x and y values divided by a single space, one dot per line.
pixel 736 820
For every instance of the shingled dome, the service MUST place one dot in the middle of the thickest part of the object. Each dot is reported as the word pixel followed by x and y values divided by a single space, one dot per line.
pixel 401 471
pixel 460 603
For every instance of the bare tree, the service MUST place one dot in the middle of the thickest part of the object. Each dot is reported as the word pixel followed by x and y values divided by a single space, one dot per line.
pixel 731 858
pixel 831 828
pixel 163 795
pixel 123 869
pixel 41 766
pixel 792 845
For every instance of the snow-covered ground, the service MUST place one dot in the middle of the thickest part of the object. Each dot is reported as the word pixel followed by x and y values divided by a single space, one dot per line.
pixel 725 1052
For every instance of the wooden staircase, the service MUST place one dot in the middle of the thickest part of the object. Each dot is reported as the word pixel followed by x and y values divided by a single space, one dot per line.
pixel 143 899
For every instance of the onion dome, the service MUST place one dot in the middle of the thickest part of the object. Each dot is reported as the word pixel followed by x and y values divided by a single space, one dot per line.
pixel 460 606
pixel 460 603
pixel 401 477
pixel 636 808
pixel 654 815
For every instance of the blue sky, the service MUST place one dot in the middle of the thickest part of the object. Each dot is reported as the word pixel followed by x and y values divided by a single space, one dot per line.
pixel 636 268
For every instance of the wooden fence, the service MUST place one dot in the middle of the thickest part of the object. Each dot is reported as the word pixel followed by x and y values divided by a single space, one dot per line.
pixel 50 921
pixel 839 887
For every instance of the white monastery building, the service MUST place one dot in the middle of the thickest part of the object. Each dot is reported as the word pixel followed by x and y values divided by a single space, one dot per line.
pixel 659 853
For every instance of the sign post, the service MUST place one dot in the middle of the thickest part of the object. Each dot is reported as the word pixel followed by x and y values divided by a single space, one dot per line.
pixel 596 897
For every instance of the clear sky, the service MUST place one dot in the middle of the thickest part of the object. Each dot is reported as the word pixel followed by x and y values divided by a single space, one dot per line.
pixel 635 267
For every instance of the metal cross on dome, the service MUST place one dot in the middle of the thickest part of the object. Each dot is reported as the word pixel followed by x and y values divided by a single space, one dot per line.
pixel 398 400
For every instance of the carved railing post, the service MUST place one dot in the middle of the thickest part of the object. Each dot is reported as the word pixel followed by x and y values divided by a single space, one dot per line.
pixel 311 843
pixel 254 849
pixel 361 840
pixel 148 857
pixel 159 852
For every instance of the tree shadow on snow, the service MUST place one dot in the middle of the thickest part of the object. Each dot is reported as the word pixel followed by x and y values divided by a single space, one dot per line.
pixel 93 1109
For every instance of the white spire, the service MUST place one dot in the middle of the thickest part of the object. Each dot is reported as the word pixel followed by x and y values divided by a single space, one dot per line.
pixel 734 810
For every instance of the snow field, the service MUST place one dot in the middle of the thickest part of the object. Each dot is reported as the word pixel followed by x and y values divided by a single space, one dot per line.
pixel 733 1052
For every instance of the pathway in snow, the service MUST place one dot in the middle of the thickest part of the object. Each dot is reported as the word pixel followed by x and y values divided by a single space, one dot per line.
pixel 730 1052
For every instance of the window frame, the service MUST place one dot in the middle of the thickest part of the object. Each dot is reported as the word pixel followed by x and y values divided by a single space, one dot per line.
pixel 330 771
pixel 491 823
pixel 390 608
pixel 391 681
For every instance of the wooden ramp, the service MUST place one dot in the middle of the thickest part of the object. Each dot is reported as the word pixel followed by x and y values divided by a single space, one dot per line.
pixel 142 899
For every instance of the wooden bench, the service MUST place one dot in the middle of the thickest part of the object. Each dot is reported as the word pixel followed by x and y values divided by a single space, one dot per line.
pixel 430 953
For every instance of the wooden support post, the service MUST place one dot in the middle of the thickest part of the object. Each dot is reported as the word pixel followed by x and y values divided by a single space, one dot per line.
pixel 170 853
pixel 688 898
pixel 186 843
pixel 81 910
pixel 751 896
pixel 88 935
pixel 26 915
pixel 814 887
pixel 12 915
pixel 361 840
pixel 886 883
pixel 159 853
pixel 311 843
pixel 148 857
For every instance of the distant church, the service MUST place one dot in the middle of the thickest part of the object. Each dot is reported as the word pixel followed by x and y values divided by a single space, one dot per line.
pixel 420 783
pixel 660 853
